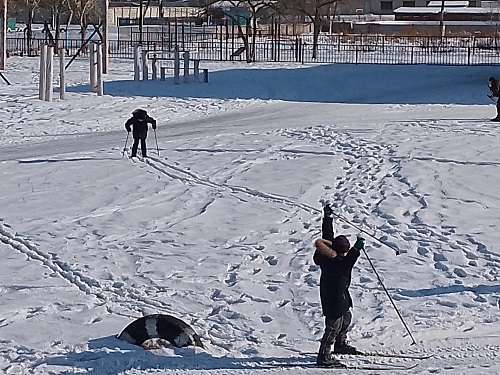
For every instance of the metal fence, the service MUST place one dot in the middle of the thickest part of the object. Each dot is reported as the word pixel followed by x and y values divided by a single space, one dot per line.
pixel 335 49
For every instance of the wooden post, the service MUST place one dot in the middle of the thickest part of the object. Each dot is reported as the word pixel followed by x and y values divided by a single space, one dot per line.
pixel 145 73
pixel 93 67
pixel 137 63
pixel 99 68
pixel 196 74
pixel 154 68
pixel 43 74
pixel 49 74
pixel 62 74
pixel 186 67
pixel 3 33
pixel 205 75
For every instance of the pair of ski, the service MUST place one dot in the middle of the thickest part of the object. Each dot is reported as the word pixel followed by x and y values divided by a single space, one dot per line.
pixel 372 366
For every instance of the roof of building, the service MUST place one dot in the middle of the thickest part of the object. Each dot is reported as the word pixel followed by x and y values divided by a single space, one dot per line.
pixel 456 3
pixel 455 10
pixel 425 23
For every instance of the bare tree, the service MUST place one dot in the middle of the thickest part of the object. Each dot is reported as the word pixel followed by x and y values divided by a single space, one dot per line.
pixel 84 11
pixel 247 11
pixel 30 6
pixel 57 9
pixel 319 12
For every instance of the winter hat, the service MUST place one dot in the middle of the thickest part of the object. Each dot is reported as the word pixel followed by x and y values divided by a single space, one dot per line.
pixel 491 79
pixel 140 114
pixel 341 244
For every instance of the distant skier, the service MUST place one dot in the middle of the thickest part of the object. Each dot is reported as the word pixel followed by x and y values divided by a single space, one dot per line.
pixel 139 122
pixel 336 259
pixel 494 86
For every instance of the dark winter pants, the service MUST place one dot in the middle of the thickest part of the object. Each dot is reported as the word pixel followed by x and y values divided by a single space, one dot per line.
pixel 136 145
pixel 335 331
pixel 498 107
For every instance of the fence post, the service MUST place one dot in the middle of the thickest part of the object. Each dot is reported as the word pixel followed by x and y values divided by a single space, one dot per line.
pixel 186 67
pixel 177 66
pixel 468 56
pixel 62 74
pixel 302 51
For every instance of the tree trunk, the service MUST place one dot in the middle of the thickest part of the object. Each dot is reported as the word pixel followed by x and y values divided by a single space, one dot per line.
pixel 254 36
pixel 29 31
pixel 316 30
pixel 57 33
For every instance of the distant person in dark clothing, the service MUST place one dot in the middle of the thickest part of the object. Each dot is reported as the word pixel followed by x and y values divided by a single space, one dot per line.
pixel 336 259
pixel 494 86
pixel 139 122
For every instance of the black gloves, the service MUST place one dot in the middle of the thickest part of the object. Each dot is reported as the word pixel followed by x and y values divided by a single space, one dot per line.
pixel 154 126
pixel 360 243
pixel 128 129
pixel 327 210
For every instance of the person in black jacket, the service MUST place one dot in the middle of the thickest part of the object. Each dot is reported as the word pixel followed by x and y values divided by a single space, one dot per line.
pixel 336 259
pixel 139 122
pixel 494 86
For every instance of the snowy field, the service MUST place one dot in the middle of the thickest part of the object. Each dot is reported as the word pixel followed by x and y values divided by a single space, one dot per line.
pixel 218 228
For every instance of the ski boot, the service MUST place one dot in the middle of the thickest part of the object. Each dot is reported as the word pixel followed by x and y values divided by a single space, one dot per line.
pixel 345 348
pixel 327 360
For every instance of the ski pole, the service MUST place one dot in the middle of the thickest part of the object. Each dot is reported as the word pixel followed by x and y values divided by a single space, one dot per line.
pixel 124 148
pixel 365 232
pixel 388 295
pixel 156 139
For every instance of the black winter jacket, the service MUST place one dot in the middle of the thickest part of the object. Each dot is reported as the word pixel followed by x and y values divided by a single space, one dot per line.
pixel 336 274
pixel 494 86
pixel 140 126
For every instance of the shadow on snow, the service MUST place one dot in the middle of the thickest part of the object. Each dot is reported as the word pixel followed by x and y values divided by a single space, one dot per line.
pixel 334 83
pixel 111 356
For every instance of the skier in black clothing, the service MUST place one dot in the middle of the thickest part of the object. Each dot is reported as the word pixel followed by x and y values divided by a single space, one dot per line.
pixel 336 260
pixel 139 121
pixel 494 86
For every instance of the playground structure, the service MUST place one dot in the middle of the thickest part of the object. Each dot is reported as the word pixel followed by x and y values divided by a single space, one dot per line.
pixel 45 86
pixel 166 62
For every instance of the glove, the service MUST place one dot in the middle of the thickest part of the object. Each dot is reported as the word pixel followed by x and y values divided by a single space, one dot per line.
pixel 154 126
pixel 360 243
pixel 128 129
pixel 327 210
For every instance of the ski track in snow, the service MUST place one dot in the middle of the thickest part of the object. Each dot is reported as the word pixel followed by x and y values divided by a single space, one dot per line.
pixel 372 172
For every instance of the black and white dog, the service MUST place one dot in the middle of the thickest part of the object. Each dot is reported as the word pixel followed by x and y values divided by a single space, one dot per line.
pixel 159 326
